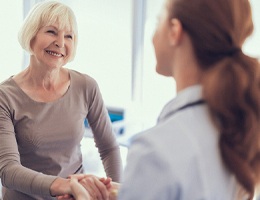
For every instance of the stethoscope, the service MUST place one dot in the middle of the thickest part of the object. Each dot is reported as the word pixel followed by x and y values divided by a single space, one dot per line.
pixel 195 103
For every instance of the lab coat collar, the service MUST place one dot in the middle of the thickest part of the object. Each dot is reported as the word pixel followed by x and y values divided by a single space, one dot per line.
pixel 188 95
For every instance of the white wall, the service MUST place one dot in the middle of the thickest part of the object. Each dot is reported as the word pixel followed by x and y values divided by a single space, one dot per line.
pixel 10 52
pixel 104 49
pixel 252 45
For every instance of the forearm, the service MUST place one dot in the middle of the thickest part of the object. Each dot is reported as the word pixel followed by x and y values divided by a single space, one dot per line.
pixel 15 176
pixel 113 164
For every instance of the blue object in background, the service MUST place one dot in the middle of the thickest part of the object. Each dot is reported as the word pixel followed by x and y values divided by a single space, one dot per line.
pixel 115 115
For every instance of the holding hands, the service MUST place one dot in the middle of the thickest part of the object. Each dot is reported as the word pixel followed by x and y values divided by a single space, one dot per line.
pixel 90 187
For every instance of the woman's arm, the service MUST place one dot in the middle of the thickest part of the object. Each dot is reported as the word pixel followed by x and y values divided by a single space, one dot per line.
pixel 13 175
pixel 104 136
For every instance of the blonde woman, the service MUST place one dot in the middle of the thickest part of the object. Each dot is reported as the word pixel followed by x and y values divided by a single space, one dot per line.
pixel 42 113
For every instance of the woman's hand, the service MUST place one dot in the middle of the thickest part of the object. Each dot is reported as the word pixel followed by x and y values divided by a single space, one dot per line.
pixel 113 187
pixel 87 187
pixel 78 191
pixel 62 188
pixel 97 188
pixel 113 190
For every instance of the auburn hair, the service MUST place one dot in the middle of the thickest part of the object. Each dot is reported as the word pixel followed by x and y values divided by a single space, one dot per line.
pixel 231 85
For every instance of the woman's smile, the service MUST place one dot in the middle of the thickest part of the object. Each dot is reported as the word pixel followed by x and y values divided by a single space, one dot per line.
pixel 56 54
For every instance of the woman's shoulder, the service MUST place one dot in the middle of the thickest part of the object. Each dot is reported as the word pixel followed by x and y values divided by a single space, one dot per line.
pixel 9 92
pixel 7 85
pixel 6 82
pixel 79 78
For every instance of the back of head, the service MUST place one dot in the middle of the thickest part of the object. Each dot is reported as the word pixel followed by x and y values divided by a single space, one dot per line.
pixel 44 14
pixel 218 29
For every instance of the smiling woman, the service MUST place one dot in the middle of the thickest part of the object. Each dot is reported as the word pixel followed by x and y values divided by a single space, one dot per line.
pixel 60 52
pixel 60 18
pixel 42 112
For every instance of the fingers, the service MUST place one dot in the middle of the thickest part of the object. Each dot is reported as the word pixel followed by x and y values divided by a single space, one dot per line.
pixel 65 197
pixel 107 182
pixel 77 176
pixel 78 191
pixel 89 187
pixel 95 187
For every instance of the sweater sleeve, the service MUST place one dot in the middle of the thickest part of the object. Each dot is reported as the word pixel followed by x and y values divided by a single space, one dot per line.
pixel 13 175
pixel 104 137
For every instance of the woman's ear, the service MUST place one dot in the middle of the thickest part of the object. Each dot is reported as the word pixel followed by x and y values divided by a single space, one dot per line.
pixel 176 31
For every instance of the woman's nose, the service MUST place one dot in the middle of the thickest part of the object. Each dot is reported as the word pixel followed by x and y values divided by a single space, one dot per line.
pixel 59 42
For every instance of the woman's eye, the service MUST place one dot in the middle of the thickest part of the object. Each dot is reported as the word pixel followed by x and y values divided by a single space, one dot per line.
pixel 51 31
pixel 69 36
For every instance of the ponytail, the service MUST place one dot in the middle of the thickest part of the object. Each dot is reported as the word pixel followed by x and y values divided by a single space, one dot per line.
pixel 232 92
pixel 231 80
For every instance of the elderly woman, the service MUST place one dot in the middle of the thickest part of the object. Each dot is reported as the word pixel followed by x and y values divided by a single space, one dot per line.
pixel 42 113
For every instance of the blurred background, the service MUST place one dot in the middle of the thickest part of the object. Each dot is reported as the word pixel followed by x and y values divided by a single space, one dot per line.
pixel 115 48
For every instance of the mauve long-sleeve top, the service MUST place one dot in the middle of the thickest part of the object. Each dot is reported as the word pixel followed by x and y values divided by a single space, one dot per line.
pixel 40 141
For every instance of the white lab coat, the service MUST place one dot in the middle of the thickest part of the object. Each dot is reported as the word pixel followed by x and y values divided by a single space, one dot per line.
pixel 179 158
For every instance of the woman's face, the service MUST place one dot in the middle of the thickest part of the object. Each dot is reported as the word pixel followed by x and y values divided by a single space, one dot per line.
pixel 53 46
pixel 162 47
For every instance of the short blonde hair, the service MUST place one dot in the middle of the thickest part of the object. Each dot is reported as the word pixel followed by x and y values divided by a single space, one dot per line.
pixel 44 14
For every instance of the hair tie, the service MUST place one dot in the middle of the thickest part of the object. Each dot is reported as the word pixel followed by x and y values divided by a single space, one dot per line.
pixel 234 51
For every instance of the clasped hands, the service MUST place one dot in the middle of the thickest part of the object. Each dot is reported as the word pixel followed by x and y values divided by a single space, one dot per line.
pixel 90 187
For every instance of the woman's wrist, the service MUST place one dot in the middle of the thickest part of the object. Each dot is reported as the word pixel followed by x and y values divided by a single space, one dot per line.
pixel 60 186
